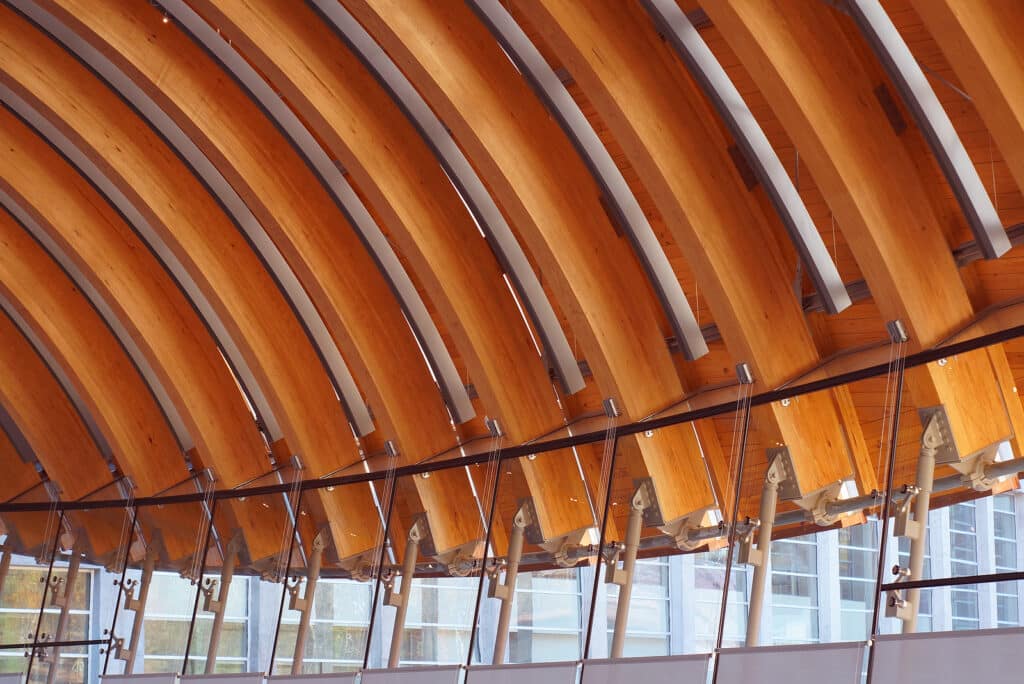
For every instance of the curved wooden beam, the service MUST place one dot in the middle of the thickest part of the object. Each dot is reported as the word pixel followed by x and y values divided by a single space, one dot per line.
pixel 980 38
pixel 142 442
pixel 804 64
pixel 26 532
pixel 712 78
pixel 605 171
pixel 931 118
pixel 471 188
pixel 357 297
pixel 37 403
pixel 549 194
pixel 141 167
pixel 397 171
pixel 660 118
pixel 182 351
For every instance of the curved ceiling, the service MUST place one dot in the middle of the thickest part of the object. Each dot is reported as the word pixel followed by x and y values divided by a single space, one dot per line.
pixel 239 236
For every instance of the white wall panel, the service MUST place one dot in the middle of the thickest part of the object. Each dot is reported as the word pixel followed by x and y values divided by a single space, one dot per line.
pixel 835 663
pixel 988 656
pixel 691 669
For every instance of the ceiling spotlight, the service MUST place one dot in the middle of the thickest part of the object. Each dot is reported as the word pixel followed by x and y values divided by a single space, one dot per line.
pixel 166 19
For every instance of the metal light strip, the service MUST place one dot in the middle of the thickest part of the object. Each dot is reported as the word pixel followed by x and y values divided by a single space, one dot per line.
pixel 427 334
pixel 719 88
pixel 467 182
pixel 344 383
pixel 101 306
pixel 931 118
pixel 532 64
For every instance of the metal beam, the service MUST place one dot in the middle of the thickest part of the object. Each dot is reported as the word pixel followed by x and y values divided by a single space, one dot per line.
pixel 765 164
pixel 400 598
pixel 531 63
pixel 623 577
pixel 99 303
pixel 138 605
pixel 762 560
pixel 275 262
pixel 467 182
pixel 505 591
pixel 933 121
pixel 427 335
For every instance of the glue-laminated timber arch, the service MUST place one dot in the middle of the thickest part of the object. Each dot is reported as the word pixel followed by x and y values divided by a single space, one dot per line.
pixel 980 39
pixel 679 153
pixel 25 532
pixel 375 142
pixel 227 439
pixel 157 184
pixel 479 200
pixel 802 61
pixel 36 402
pixel 934 123
pixel 275 182
pixel 531 63
pixel 116 395
pixel 550 196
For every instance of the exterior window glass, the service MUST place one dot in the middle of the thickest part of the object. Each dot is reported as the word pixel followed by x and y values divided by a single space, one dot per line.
pixel 858 559
pixel 437 626
pixel 709 574
pixel 1004 521
pixel 21 595
pixel 337 628
pixel 795 590
pixel 647 633
pixel 963 554
pixel 165 629
pixel 546 618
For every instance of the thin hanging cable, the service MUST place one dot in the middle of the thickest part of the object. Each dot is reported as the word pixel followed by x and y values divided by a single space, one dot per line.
pixel 491 485
pixel 124 539
pixel 291 522
pixel 202 532
pixel 886 398
pixel 608 456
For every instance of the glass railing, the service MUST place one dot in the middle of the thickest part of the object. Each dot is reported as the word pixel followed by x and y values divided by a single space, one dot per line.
pixel 600 542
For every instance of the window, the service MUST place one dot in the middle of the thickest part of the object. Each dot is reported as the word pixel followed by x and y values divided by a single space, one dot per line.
pixel 858 560
pixel 647 632
pixel 795 590
pixel 709 575
pixel 1004 516
pixel 546 618
pixel 963 554
pixel 165 630
pixel 337 629
pixel 21 598
pixel 437 625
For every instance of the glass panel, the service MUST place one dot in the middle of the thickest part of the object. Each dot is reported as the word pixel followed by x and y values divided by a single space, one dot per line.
pixel 177 534
pixel 348 523
pixel 94 546
pixel 972 523
pixel 546 502
pixel 440 515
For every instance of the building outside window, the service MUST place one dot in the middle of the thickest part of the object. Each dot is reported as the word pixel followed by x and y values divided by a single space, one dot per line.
pixel 547 620
pixel 647 633
pixel 165 630
pixel 794 565
pixel 22 593
pixel 337 629
pixel 963 542
pixel 709 577
pixel 1004 514
pixel 437 626
pixel 858 560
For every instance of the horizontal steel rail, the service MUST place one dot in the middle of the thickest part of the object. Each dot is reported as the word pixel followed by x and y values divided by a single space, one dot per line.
pixel 911 361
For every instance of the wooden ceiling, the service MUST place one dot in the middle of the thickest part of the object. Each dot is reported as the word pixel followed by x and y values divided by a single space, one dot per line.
pixel 236 237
